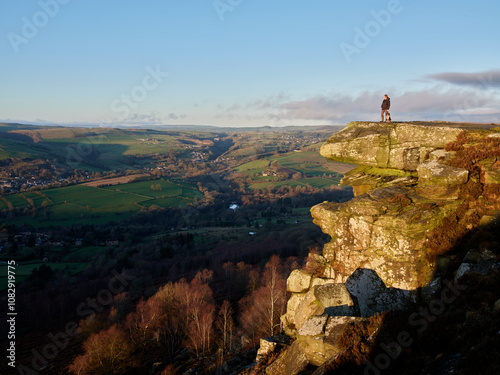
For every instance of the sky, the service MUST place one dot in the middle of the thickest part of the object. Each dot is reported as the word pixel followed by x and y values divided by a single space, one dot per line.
pixel 247 62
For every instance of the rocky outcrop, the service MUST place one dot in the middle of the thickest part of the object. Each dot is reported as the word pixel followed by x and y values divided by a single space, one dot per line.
pixel 405 189
pixel 383 230
pixel 418 187
pixel 393 145
pixel 323 296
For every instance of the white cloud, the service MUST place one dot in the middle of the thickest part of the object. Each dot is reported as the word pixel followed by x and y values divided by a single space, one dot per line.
pixel 481 80
pixel 431 104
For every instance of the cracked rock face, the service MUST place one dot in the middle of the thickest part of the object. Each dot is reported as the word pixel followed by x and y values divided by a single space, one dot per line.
pixel 399 146
pixel 384 227
pixel 376 259
pixel 383 230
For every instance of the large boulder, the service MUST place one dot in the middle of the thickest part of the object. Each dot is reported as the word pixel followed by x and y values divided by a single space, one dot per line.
pixel 363 178
pixel 317 341
pixel 266 347
pixel 384 230
pixel 373 296
pixel 290 362
pixel 299 281
pixel 270 345
pixel 437 180
pixel 394 145
pixel 332 299
pixel 435 173
pixel 320 335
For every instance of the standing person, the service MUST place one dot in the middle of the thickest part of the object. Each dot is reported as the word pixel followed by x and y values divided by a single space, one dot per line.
pixel 386 104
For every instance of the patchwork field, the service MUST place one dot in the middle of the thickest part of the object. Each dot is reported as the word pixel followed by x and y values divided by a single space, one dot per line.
pixel 89 204
pixel 316 170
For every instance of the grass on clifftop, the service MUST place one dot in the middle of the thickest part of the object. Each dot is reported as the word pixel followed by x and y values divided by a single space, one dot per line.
pixel 376 171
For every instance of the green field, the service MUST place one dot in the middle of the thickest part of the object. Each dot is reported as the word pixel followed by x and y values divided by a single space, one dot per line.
pixel 84 254
pixel 124 142
pixel 256 165
pixel 23 271
pixel 36 198
pixel 3 205
pixel 92 149
pixel 86 204
pixel 17 201
pixel 316 170
pixel 314 182
pixel 143 189
pixel 309 163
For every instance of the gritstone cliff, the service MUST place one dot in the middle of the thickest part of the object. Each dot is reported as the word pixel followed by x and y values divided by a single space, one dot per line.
pixel 418 189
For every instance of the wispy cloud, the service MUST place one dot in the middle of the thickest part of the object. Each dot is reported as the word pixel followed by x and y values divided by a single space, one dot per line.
pixel 439 102
pixel 152 118
pixel 175 116
pixel 134 119
pixel 481 80
pixel 430 104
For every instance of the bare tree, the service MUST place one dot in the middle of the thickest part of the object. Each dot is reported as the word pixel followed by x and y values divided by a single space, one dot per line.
pixel 226 325
pixel 144 324
pixel 261 310
pixel 106 353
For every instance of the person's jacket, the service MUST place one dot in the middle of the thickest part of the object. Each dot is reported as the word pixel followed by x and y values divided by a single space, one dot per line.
pixel 386 104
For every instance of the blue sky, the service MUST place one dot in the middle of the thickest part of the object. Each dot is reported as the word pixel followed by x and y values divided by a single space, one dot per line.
pixel 247 62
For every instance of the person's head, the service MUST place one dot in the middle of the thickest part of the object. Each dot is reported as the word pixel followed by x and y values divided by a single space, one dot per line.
pixel 386 96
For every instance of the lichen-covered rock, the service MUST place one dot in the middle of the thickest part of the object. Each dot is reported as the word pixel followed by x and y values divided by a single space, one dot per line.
pixel 335 298
pixel 308 306
pixel 317 341
pixel 383 230
pixel 441 155
pixel 373 296
pixel 319 281
pixel 437 180
pixel 385 241
pixel 292 361
pixel 266 347
pixel 329 298
pixel 321 341
pixel 435 173
pixel 363 179
pixel 298 281
pixel 395 145
pixel 314 326
pixel 288 319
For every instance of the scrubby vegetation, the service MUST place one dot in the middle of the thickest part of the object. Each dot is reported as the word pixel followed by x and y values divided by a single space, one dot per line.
pixel 472 152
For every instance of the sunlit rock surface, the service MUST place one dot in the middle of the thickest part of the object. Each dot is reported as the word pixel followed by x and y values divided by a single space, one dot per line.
pixel 406 188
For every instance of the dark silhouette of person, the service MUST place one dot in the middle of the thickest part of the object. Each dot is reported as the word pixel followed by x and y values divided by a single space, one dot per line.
pixel 386 104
